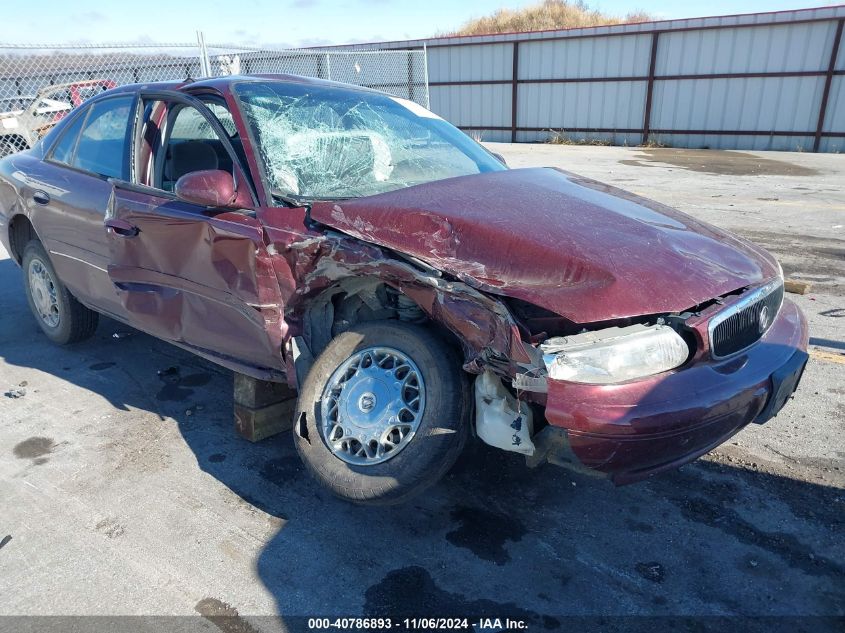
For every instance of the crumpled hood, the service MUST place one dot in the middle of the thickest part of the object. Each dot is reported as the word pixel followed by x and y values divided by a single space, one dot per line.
pixel 582 249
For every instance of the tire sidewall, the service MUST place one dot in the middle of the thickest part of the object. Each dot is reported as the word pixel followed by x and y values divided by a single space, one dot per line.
pixel 441 433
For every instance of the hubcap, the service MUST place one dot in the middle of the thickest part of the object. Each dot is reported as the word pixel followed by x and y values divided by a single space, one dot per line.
pixel 372 406
pixel 42 287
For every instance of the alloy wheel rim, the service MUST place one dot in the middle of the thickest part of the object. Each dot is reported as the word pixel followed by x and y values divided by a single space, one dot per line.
pixel 42 287
pixel 372 406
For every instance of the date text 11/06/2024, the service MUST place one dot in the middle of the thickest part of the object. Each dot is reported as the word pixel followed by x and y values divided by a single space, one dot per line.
pixel 422 624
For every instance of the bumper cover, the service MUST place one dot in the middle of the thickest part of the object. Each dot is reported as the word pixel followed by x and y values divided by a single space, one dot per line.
pixel 635 430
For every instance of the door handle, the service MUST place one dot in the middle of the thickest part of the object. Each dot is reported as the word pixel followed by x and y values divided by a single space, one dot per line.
pixel 121 227
pixel 41 197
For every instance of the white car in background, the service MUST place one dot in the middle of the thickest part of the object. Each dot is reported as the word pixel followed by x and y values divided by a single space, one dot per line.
pixel 14 105
pixel 24 120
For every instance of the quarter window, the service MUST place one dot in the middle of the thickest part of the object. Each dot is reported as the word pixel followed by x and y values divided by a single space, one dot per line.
pixel 63 151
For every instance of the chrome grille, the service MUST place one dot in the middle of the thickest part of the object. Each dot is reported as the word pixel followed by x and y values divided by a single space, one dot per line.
pixel 745 322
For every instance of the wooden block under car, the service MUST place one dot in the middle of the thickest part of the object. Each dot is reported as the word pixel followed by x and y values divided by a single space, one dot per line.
pixel 262 408
pixel 797 287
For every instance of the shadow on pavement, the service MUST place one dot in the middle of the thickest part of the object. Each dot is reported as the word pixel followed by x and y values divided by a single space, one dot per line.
pixel 494 539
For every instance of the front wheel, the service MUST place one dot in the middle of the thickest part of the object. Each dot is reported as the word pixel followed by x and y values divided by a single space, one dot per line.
pixel 382 415
pixel 61 317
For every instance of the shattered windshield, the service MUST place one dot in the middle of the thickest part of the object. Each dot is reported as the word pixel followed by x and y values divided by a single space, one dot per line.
pixel 320 142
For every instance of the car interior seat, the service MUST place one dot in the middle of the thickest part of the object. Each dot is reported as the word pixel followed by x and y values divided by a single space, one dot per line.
pixel 186 157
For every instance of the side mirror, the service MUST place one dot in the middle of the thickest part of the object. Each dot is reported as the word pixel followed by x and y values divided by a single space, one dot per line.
pixel 209 187
pixel 500 158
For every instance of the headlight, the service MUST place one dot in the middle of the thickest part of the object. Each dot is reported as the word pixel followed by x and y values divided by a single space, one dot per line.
pixel 614 354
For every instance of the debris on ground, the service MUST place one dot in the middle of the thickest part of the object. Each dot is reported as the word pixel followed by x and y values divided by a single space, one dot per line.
pixel 652 571
pixel 120 335
pixel 171 374
pixel 797 287
pixel 194 409
pixel 18 391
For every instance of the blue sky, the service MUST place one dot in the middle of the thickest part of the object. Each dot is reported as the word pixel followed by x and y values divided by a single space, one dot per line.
pixel 296 22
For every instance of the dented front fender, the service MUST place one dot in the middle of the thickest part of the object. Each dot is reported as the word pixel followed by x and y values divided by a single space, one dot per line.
pixel 309 263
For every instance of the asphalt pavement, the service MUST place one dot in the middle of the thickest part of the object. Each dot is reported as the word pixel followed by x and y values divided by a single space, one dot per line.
pixel 126 492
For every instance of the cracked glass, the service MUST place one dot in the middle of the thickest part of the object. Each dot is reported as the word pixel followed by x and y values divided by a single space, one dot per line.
pixel 322 142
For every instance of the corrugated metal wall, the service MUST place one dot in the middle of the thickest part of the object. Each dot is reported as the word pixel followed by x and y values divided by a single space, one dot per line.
pixel 758 81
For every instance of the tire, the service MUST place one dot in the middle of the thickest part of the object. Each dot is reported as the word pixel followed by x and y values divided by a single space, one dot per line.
pixel 430 451
pixel 68 321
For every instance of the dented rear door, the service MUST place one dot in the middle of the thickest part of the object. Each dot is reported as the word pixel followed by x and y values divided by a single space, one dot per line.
pixel 196 278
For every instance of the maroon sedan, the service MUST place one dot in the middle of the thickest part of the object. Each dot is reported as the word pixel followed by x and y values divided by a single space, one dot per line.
pixel 402 278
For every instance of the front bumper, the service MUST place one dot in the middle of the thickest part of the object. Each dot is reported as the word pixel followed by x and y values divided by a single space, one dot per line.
pixel 634 430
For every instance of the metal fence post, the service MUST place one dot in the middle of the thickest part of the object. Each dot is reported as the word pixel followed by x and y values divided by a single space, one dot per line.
pixel 205 64
pixel 328 67
pixel 425 77
pixel 410 75
pixel 514 90
pixel 831 67
pixel 649 88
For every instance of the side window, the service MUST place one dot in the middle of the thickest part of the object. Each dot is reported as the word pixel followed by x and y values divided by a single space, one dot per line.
pixel 224 116
pixel 64 149
pixel 103 145
pixel 192 145
pixel 190 124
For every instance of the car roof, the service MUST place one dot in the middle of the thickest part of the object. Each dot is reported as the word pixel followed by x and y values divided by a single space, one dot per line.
pixel 224 84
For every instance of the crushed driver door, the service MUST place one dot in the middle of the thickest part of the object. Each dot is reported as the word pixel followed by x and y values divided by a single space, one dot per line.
pixel 198 277
pixel 202 282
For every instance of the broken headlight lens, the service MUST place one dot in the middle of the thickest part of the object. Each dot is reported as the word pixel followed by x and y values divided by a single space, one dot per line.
pixel 615 354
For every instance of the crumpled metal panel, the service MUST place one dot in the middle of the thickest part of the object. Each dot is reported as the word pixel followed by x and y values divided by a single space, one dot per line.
pixel 207 283
pixel 584 250
pixel 307 263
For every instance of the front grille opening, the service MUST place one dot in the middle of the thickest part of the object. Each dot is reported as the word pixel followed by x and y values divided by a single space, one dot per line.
pixel 747 325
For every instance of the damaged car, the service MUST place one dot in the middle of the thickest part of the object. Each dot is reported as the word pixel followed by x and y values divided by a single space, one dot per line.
pixel 414 290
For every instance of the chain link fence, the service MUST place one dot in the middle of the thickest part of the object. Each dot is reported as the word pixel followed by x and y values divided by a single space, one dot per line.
pixel 39 84
pixel 399 72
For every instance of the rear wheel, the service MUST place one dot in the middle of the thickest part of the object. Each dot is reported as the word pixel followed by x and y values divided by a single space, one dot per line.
pixel 61 317
pixel 382 415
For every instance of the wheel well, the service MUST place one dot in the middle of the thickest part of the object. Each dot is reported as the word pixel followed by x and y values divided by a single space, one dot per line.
pixel 351 301
pixel 21 232
pixel 358 299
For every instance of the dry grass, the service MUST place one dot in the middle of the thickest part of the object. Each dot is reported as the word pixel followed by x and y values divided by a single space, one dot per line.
pixel 549 14
pixel 560 137
pixel 652 144
pixel 476 135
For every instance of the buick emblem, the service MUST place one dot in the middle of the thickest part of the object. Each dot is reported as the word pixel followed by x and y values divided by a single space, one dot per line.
pixel 764 319
pixel 367 402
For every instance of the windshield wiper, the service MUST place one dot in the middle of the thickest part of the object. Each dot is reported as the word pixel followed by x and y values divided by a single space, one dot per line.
pixel 290 201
